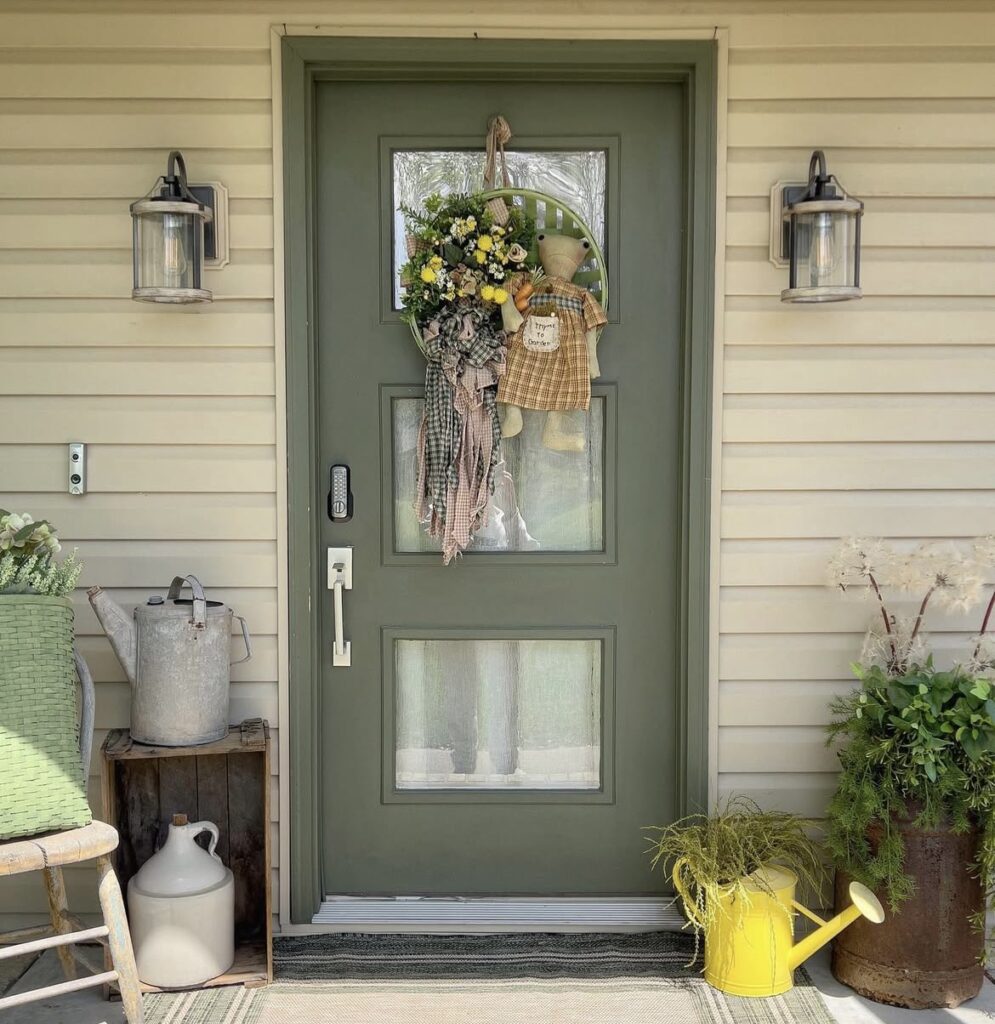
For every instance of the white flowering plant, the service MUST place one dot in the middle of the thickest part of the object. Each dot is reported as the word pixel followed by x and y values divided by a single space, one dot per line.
pixel 459 256
pixel 914 740
pixel 27 558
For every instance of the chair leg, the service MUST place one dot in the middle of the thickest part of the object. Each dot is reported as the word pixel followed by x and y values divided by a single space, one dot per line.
pixel 55 887
pixel 119 940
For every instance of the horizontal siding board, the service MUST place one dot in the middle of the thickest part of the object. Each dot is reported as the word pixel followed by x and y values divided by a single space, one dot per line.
pixel 130 124
pixel 120 321
pixel 781 703
pixel 755 418
pixel 765 609
pixel 893 124
pixel 872 172
pixel 144 371
pixel 107 274
pixel 857 369
pixel 860 73
pixel 106 224
pixel 153 517
pixel 137 72
pixel 135 563
pixel 797 467
pixel 813 656
pixel 858 513
pixel 871 321
pixel 146 420
pixel 896 272
pixel 774 749
pixel 124 469
pixel 804 793
pixel 126 174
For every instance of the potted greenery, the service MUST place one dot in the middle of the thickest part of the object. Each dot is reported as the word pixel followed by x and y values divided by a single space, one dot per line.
pixel 913 816
pixel 41 778
pixel 735 872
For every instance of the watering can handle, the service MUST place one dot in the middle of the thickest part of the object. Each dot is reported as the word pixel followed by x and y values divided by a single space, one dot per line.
pixel 208 826
pixel 689 905
pixel 245 638
pixel 199 613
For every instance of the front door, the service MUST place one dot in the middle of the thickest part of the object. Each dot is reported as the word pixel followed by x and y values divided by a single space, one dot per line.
pixel 508 723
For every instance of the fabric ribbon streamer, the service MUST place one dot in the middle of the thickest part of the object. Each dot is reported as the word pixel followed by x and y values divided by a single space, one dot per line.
pixel 498 134
pixel 459 441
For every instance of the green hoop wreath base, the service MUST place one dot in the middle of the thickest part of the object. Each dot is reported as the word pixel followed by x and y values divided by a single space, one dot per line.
pixel 550 214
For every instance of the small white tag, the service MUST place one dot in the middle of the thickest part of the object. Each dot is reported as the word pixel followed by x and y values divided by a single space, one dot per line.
pixel 542 333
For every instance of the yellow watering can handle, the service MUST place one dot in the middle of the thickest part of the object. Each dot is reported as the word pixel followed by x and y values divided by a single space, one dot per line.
pixel 690 908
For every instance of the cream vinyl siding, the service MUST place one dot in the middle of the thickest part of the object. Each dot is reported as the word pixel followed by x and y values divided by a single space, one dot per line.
pixel 871 417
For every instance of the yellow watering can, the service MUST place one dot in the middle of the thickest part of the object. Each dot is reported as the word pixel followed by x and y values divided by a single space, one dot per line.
pixel 750 949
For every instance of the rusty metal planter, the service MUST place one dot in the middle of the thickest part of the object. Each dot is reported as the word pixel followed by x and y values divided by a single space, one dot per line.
pixel 927 954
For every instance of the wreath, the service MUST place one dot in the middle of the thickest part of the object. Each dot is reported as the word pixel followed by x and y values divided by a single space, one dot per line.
pixel 479 250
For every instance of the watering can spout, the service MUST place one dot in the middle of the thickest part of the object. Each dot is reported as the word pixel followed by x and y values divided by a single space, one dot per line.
pixel 864 904
pixel 121 630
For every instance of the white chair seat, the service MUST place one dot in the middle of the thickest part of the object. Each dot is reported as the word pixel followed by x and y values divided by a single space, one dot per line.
pixel 53 849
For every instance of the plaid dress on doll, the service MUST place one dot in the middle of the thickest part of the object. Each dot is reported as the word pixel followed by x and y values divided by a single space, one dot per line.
pixel 559 378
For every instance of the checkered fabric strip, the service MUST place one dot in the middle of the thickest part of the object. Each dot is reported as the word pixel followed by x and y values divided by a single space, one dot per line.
pixel 557 380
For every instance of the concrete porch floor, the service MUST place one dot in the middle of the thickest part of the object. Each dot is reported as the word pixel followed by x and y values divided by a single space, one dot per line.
pixel 847 1008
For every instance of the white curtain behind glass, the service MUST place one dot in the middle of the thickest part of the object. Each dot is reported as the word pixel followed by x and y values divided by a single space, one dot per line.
pixel 496 714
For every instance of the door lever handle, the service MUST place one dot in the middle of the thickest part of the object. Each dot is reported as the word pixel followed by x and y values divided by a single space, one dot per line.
pixel 339 581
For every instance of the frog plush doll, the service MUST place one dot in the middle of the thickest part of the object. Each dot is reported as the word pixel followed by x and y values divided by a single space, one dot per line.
pixel 552 348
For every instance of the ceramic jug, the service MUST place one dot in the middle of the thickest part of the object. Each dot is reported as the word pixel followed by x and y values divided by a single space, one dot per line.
pixel 182 908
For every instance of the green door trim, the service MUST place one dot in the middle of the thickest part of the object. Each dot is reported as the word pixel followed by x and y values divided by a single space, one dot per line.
pixel 310 59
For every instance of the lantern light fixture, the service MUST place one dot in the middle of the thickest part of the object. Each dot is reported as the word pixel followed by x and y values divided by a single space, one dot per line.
pixel 168 238
pixel 821 238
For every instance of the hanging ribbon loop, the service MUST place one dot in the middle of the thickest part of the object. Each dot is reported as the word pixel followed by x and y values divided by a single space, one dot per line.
pixel 498 133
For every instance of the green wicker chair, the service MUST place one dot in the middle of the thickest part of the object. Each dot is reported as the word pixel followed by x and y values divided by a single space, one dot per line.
pixel 48 853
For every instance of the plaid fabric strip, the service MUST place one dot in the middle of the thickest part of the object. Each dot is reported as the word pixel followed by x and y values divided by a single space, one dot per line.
pixel 560 379
pixel 460 438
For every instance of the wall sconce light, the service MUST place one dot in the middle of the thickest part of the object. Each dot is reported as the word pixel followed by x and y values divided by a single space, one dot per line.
pixel 176 228
pixel 819 234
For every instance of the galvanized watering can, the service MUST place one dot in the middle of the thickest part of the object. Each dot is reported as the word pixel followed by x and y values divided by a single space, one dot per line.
pixel 176 653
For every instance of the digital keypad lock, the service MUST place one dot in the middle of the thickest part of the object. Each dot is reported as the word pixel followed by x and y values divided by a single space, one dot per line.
pixel 339 494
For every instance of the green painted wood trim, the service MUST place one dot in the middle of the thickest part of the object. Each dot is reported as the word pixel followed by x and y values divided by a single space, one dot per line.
pixel 309 59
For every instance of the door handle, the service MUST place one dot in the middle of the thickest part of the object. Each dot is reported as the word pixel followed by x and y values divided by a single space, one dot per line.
pixel 339 581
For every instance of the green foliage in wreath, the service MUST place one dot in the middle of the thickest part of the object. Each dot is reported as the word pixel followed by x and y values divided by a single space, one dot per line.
pixel 459 255
pixel 922 743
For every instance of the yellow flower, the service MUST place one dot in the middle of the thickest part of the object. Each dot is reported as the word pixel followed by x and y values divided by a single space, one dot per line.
pixel 480 256
pixel 487 292
pixel 500 296
pixel 485 242
pixel 435 262
pixel 427 275
pixel 471 221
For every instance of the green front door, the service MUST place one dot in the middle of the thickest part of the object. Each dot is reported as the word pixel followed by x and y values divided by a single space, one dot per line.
pixel 508 723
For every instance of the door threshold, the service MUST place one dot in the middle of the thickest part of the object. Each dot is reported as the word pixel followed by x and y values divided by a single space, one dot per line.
pixel 456 914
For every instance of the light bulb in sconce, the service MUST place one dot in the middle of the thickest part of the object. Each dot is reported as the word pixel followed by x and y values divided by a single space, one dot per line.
pixel 174 250
pixel 823 258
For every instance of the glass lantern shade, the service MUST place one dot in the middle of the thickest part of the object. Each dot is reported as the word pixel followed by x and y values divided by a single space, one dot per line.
pixel 168 236
pixel 823 242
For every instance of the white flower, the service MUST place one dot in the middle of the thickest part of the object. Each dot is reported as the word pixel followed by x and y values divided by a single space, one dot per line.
pixel 984 550
pixel 857 560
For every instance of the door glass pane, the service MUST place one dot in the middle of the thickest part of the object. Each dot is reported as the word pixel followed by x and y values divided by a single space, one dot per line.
pixel 575 177
pixel 544 500
pixel 497 714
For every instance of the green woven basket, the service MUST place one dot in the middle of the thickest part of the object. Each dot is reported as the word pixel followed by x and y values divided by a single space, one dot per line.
pixel 41 776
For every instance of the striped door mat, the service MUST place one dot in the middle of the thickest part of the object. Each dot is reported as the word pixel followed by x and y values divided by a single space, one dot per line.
pixel 485 979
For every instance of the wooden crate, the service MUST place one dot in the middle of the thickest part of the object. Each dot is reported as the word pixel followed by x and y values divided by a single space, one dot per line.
pixel 228 783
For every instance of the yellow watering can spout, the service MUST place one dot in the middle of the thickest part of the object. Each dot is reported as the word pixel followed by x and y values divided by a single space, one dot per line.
pixel 865 904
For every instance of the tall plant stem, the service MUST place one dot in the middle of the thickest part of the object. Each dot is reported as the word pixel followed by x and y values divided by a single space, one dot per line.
pixel 984 625
pixel 884 616
pixel 922 611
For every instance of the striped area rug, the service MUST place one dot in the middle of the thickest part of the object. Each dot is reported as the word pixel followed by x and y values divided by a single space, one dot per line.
pixel 485 979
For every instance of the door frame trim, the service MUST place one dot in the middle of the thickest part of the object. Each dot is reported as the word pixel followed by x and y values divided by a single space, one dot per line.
pixel 307 60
